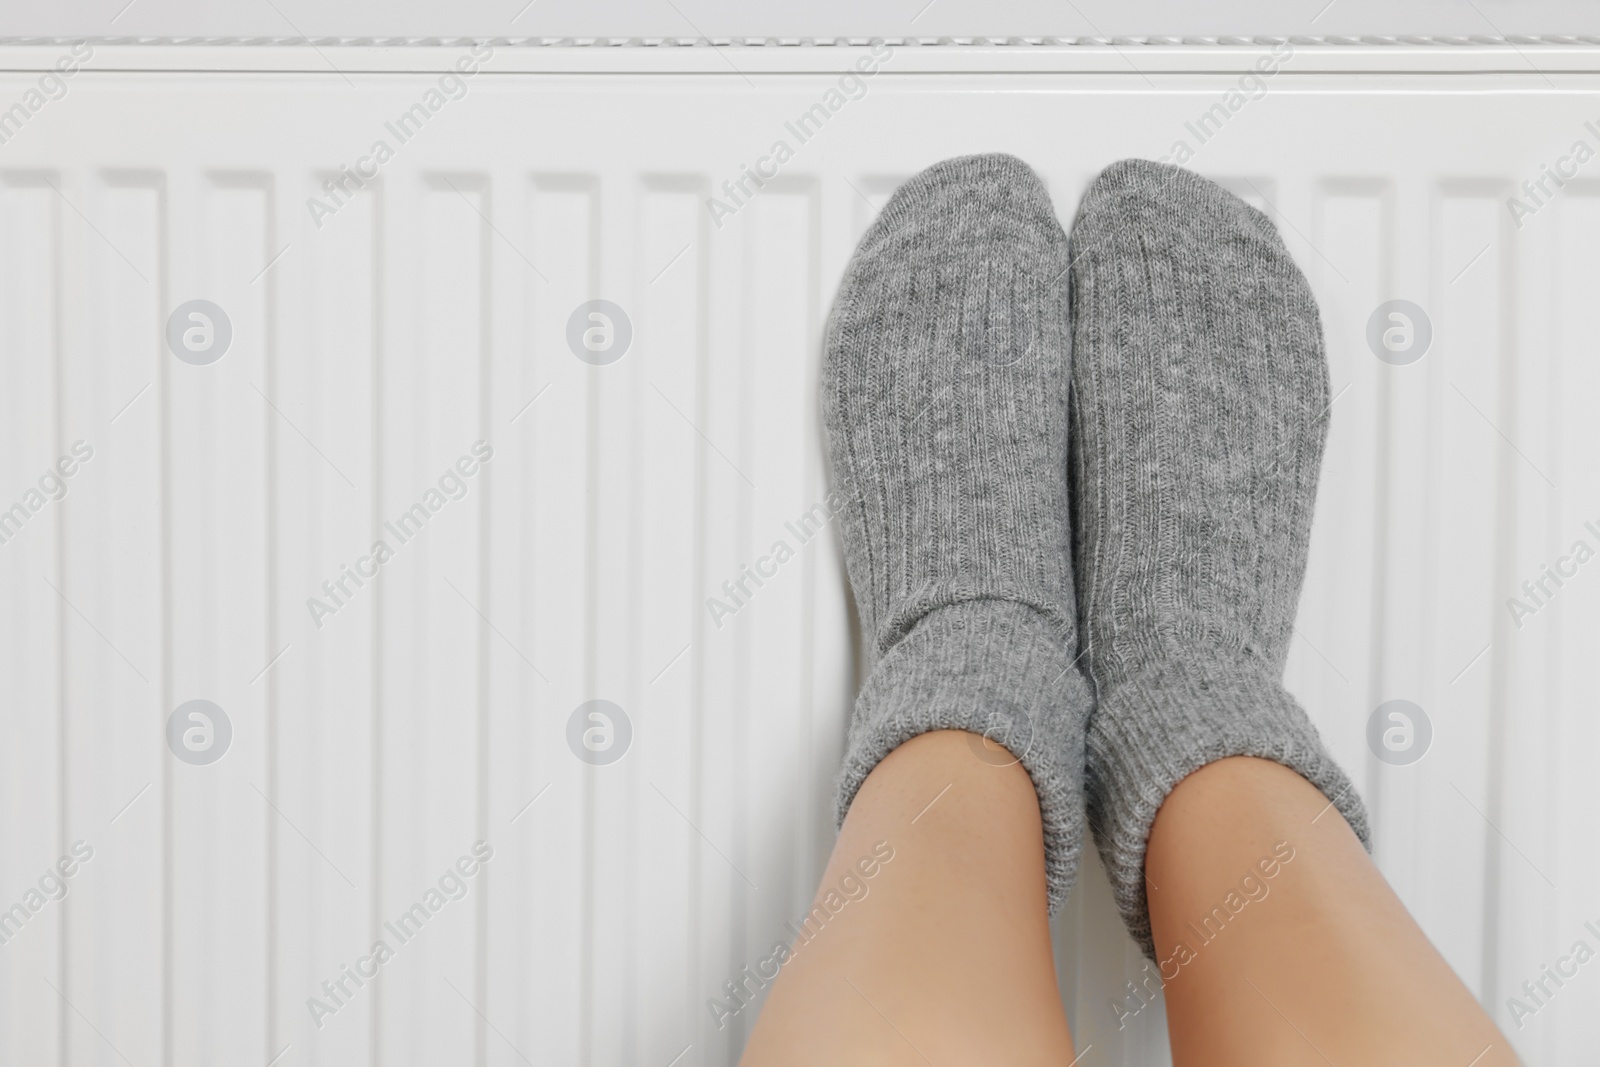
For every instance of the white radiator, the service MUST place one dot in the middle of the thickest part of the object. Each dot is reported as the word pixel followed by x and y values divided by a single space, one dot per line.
pixel 434 300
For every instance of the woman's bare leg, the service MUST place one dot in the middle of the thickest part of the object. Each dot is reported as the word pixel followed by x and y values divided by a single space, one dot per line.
pixel 1280 943
pixel 946 959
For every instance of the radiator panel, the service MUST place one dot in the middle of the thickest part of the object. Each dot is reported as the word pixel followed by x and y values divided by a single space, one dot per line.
pixel 428 707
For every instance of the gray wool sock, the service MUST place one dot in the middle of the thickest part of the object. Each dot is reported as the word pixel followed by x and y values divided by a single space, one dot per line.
pixel 1199 411
pixel 944 404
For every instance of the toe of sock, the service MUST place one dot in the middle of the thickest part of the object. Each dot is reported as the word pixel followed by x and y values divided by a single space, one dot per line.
pixel 1161 203
pixel 950 208
pixel 1163 254
pixel 962 276
pixel 972 245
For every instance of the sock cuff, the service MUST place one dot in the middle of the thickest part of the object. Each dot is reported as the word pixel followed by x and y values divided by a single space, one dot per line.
pixel 1167 721
pixel 995 668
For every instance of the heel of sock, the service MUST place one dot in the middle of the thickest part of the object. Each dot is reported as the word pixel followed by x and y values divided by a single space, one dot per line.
pixel 1164 723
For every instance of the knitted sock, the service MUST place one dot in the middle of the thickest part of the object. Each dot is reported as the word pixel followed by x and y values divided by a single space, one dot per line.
pixel 944 404
pixel 1199 404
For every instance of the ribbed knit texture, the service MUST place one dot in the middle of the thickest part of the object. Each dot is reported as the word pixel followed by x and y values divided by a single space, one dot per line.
pixel 944 404
pixel 1199 411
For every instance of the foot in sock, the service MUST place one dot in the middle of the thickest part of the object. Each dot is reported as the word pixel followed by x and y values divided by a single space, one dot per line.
pixel 944 404
pixel 1198 416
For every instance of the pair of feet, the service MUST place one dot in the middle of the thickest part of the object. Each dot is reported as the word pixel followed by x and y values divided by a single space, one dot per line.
pixel 1081 476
